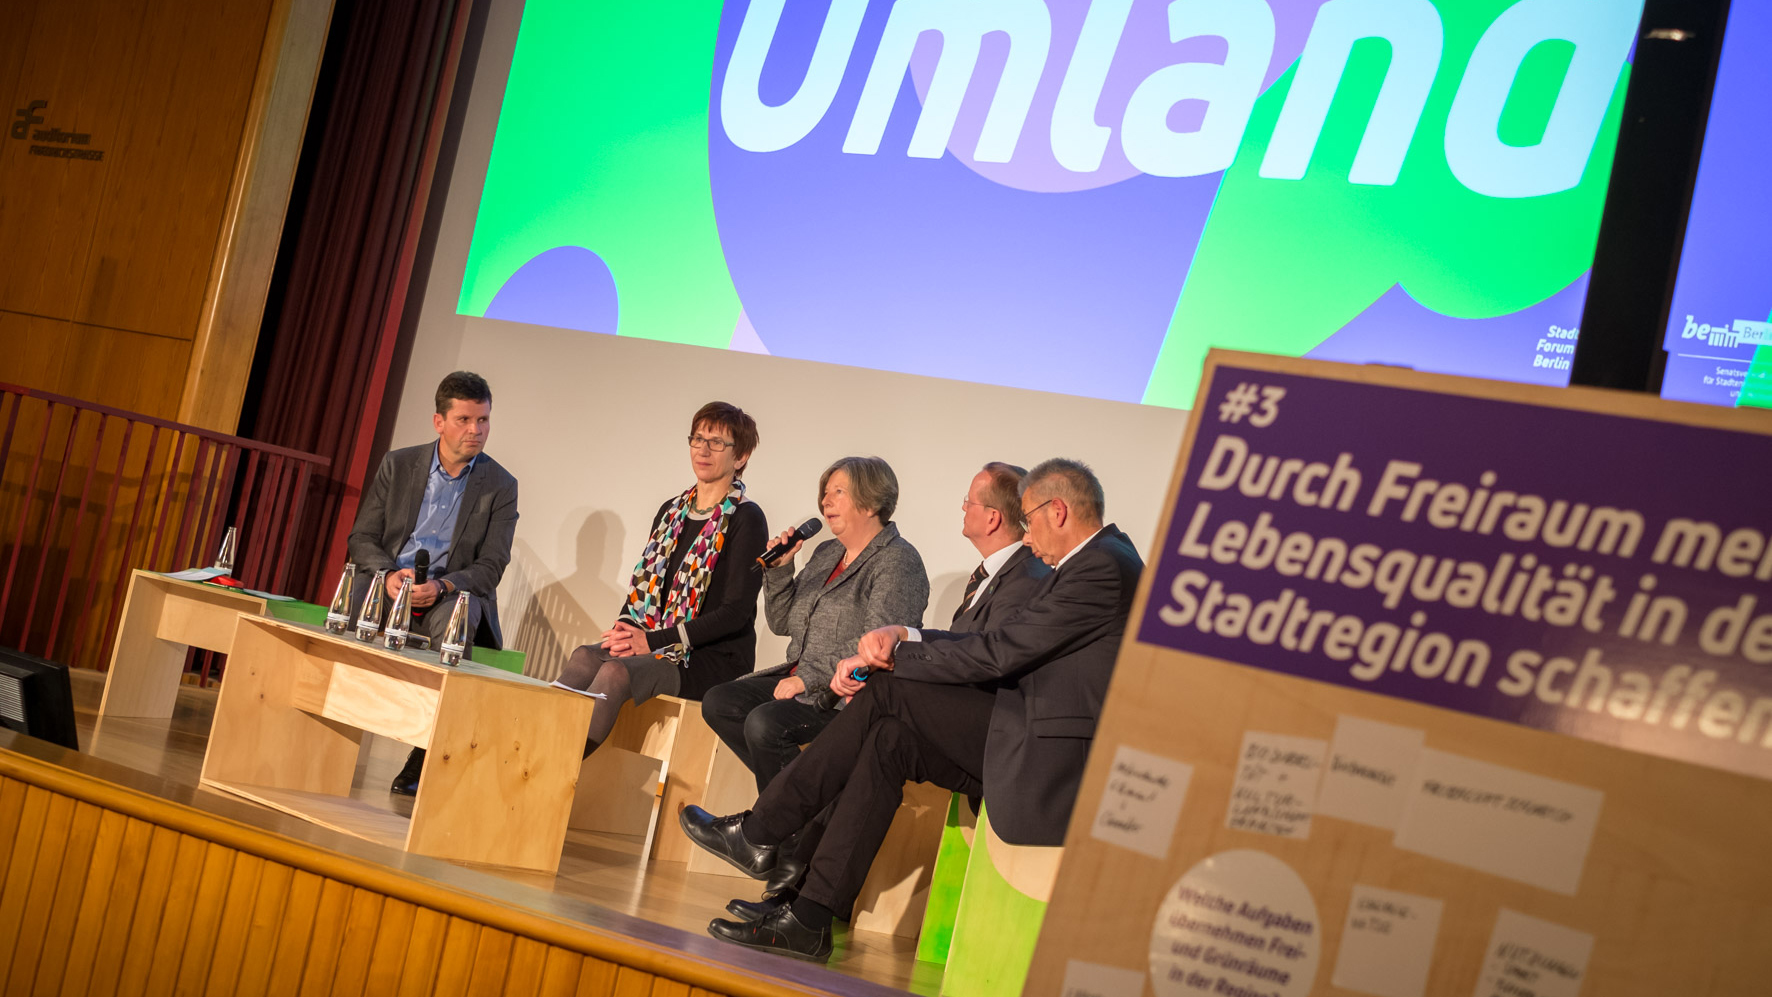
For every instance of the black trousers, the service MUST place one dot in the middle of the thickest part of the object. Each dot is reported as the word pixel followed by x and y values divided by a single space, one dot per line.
pixel 894 731
pixel 764 732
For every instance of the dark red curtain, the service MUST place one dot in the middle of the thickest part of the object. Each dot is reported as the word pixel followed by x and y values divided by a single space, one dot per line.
pixel 332 339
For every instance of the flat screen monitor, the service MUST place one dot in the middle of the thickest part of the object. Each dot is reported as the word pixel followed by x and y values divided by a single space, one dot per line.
pixel 970 190
pixel 1719 328
pixel 36 698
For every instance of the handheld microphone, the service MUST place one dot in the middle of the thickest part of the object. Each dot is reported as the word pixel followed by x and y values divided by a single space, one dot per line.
pixel 804 532
pixel 421 570
pixel 828 698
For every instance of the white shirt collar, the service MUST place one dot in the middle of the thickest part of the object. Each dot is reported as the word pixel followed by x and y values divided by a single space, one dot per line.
pixel 992 565
pixel 1073 551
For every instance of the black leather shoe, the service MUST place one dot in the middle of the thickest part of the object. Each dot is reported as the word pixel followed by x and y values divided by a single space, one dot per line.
pixel 777 931
pixel 789 871
pixel 724 836
pixel 751 910
pixel 406 783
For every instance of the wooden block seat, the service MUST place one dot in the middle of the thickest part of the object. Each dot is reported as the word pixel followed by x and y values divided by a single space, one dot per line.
pixel 1002 903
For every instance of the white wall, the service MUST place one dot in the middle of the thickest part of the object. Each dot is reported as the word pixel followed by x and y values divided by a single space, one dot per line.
pixel 593 428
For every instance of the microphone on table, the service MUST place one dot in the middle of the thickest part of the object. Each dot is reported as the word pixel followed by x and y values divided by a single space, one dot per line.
pixel 421 570
pixel 805 531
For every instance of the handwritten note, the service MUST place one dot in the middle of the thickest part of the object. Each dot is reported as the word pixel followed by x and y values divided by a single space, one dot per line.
pixel 1276 786
pixel 1532 958
pixel 1367 778
pixel 1141 801
pixel 1088 979
pixel 1500 820
pixel 1387 944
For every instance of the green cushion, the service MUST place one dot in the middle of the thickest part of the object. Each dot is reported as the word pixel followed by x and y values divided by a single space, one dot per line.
pixel 995 929
pixel 944 887
pixel 296 611
pixel 510 661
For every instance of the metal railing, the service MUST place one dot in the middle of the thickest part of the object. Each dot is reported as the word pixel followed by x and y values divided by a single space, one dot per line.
pixel 168 492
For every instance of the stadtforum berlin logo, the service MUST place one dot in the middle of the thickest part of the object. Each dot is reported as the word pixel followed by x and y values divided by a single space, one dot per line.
pixel 54 143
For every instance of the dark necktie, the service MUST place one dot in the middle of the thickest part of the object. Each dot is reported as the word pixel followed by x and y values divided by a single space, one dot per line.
pixel 972 584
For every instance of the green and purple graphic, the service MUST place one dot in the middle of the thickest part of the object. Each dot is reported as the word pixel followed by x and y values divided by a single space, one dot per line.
pixel 975 190
pixel 1719 329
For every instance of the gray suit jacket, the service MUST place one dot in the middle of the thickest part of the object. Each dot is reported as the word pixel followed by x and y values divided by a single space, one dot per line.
pixel 484 527
pixel 1051 663
pixel 885 584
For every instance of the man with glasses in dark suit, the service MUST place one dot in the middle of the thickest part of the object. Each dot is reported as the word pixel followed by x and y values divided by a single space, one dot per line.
pixel 922 715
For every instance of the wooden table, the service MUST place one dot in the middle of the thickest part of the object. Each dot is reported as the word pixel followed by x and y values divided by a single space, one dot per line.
pixel 503 750
pixel 163 618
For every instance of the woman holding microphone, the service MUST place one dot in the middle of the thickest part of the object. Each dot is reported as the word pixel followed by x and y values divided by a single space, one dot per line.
pixel 866 576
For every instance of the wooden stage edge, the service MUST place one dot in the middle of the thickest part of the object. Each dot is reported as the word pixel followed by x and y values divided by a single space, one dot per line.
pixel 121 872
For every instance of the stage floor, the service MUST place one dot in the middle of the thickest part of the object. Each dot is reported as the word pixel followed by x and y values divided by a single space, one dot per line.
pixel 603 871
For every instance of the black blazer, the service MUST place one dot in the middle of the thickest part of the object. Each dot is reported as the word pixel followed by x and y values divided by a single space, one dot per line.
pixel 484 527
pixel 1051 662
pixel 723 635
pixel 1005 593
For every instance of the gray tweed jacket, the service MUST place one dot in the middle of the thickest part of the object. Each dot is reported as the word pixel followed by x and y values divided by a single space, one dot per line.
pixel 885 584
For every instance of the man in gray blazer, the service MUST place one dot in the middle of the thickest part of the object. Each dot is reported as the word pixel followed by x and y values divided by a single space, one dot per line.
pixel 1021 741
pixel 450 499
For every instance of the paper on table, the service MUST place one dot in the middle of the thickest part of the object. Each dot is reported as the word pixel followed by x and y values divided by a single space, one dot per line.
pixel 1141 801
pixel 1367 778
pixel 1387 945
pixel 1276 785
pixel 196 574
pixel 270 596
pixel 1088 979
pixel 582 692
pixel 1499 820
pixel 1532 958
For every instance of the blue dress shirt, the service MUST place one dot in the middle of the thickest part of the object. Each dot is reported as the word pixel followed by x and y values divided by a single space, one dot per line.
pixel 435 529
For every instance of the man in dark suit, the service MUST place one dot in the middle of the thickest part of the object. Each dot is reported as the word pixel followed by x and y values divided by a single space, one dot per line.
pixel 450 499
pixel 922 715
pixel 1003 582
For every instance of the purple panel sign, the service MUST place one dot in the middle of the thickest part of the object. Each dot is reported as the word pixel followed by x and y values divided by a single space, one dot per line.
pixel 1600 575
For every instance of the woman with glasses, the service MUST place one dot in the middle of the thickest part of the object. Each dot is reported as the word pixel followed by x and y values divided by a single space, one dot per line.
pixel 867 576
pixel 689 620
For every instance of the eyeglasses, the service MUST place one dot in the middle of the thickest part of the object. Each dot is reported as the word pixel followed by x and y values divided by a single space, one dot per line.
pixel 967 503
pixel 1028 514
pixel 713 444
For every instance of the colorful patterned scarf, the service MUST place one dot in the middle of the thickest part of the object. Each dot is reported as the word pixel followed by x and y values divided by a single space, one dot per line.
pixel 655 603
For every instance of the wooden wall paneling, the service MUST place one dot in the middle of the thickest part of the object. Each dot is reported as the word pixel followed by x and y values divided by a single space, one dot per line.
pixel 160 212
pixel 150 900
pixel 424 945
pixel 198 950
pixel 35 346
pixel 596 977
pixel 77 59
pixel 295 926
pixel 13 43
pixel 528 959
pixel 631 982
pixel 392 941
pixel 12 804
pixel 64 909
pixel 134 371
pixel 18 873
pixel 328 938
pixel 189 873
pixel 119 909
pixel 245 252
pixel 233 927
pixel 85 932
pixel 260 947
pixel 492 957
pixel 559 977
pixel 58 818
pixel 460 941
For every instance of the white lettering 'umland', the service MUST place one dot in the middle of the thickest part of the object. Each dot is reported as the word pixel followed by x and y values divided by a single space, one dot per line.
pixel 1601 34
